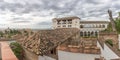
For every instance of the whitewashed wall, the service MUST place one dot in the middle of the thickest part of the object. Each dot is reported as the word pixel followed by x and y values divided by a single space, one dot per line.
pixel 119 40
pixel 62 55
pixel 45 58
pixel 107 53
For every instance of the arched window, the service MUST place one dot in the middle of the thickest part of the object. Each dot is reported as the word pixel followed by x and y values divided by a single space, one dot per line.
pixel 81 26
pixel 96 33
pixel 85 33
pixel 92 33
pixel 81 33
pixel 88 33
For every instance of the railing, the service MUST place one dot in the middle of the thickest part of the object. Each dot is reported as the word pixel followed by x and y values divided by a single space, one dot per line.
pixel 114 49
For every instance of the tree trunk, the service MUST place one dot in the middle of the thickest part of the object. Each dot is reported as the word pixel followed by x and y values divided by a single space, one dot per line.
pixel 111 20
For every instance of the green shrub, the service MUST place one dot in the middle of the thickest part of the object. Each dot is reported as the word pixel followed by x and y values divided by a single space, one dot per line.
pixel 17 49
pixel 117 25
pixel 109 41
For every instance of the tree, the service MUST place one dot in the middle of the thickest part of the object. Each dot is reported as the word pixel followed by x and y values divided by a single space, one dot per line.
pixel 111 20
pixel 117 25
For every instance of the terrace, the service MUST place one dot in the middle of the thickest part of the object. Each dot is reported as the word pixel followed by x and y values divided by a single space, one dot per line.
pixel 6 52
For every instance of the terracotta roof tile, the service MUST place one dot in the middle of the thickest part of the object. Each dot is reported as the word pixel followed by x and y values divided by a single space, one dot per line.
pixel 44 40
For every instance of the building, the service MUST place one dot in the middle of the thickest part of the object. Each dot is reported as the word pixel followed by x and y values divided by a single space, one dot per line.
pixel 66 22
pixel 92 29
pixel 71 39
pixel 87 28
pixel 43 44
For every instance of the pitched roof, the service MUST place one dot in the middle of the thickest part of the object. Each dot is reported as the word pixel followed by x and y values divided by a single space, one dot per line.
pixel 94 21
pixel 66 18
pixel 45 40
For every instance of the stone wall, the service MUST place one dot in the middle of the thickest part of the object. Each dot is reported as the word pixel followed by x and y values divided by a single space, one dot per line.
pixel 29 55
pixel 85 45
pixel 107 35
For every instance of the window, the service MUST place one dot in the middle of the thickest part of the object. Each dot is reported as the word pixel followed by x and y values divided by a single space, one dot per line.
pixel 81 26
pixel 64 25
pixel 64 21
pixel 58 26
pixel 103 26
pixel 53 51
pixel 70 21
pixel 69 26
pixel 81 33
pixel 58 22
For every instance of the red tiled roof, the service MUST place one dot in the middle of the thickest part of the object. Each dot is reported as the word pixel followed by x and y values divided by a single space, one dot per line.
pixel 45 40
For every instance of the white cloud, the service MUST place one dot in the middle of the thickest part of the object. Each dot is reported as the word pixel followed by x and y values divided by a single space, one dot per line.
pixel 28 12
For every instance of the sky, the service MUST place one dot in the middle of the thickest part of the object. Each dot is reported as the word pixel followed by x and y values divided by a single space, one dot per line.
pixel 32 13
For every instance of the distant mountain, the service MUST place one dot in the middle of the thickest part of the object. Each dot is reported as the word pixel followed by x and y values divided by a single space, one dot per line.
pixel 44 23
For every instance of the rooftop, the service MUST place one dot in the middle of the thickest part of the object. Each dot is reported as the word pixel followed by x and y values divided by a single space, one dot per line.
pixel 93 21
pixel 45 40
pixel 66 18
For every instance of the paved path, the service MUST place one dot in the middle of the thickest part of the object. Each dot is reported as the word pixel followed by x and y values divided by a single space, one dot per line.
pixel 6 51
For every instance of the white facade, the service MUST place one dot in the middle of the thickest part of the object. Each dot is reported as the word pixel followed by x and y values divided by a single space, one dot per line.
pixel 84 26
pixel 87 28
pixel 74 23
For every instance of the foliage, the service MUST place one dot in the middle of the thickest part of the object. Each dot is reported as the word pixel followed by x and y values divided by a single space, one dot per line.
pixel 117 25
pixel 109 28
pixel 1 34
pixel 109 41
pixel 17 49
pixel 11 32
